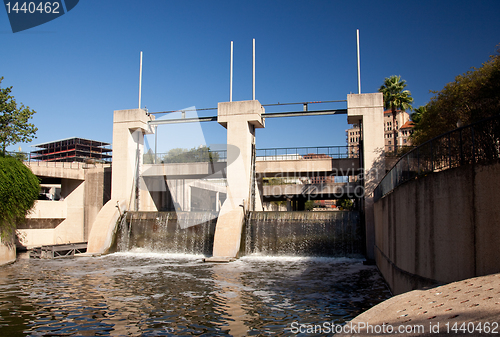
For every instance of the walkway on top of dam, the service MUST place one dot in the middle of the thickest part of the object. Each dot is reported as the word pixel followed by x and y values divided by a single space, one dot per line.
pixel 273 162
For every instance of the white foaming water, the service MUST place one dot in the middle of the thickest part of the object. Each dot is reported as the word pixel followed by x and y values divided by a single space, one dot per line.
pixel 145 253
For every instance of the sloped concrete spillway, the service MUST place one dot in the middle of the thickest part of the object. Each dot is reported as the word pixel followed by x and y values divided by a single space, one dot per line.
pixel 334 234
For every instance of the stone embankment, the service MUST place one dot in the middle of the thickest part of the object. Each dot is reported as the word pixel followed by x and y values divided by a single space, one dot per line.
pixel 465 308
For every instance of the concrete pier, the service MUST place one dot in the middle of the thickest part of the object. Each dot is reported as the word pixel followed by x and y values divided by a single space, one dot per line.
pixel 241 119
pixel 367 110
pixel 129 127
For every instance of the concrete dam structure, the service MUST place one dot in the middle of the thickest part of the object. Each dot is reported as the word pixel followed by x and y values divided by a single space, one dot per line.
pixel 130 176
pixel 134 186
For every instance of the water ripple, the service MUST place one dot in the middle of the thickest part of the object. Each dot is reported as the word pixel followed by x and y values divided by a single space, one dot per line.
pixel 149 294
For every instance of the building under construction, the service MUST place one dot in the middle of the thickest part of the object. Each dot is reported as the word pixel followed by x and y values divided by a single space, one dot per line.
pixel 73 150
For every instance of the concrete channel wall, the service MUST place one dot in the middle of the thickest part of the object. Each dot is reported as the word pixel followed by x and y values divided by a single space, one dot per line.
pixel 440 228
pixel 7 253
pixel 84 191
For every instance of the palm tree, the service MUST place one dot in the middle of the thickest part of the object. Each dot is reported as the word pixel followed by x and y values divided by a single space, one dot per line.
pixel 395 98
pixel 418 113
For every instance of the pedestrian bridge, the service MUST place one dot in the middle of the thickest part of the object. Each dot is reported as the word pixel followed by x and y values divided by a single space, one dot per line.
pixel 271 162
pixel 264 169
pixel 299 174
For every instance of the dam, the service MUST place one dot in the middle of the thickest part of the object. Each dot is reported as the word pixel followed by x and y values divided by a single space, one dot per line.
pixel 151 273
pixel 149 270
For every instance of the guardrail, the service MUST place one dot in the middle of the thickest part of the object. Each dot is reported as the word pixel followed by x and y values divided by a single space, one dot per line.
pixel 201 156
pixel 31 159
pixel 285 153
pixel 475 143
pixel 299 153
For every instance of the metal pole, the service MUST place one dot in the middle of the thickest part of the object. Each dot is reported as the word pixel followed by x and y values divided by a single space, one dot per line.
pixel 253 68
pixel 231 76
pixel 359 68
pixel 140 81
pixel 156 143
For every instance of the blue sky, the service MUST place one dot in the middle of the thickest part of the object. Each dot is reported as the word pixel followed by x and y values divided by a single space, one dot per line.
pixel 75 70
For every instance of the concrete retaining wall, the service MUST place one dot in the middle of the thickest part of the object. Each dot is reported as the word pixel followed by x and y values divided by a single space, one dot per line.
pixel 70 219
pixel 440 228
pixel 97 194
pixel 7 253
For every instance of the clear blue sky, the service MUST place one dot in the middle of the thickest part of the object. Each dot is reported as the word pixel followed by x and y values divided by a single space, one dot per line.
pixel 75 70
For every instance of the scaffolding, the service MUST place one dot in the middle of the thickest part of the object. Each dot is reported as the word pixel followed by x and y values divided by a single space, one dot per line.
pixel 73 150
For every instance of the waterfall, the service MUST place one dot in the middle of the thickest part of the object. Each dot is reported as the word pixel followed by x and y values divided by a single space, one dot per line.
pixel 162 232
pixel 266 233
pixel 335 233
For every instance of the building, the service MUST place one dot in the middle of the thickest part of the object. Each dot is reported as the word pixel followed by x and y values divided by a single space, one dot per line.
pixel 73 150
pixel 353 137
pixel 403 133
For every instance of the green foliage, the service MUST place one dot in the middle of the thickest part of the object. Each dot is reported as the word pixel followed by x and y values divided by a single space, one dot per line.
pixel 395 97
pixel 149 157
pixel 14 126
pixel 417 114
pixel 345 204
pixel 194 155
pixel 309 205
pixel 19 189
pixel 473 96
pixel 274 181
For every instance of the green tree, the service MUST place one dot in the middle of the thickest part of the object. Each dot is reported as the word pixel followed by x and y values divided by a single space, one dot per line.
pixel 19 188
pixel 473 96
pixel 149 157
pixel 14 120
pixel 417 114
pixel 194 155
pixel 395 98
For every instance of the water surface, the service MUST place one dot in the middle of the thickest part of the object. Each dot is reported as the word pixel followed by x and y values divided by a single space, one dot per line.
pixel 151 294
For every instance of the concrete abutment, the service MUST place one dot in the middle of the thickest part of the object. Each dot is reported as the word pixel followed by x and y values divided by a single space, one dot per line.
pixel 241 119
pixel 129 128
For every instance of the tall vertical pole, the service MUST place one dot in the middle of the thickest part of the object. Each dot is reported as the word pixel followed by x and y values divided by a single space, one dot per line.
pixel 359 68
pixel 231 76
pixel 156 142
pixel 253 68
pixel 140 81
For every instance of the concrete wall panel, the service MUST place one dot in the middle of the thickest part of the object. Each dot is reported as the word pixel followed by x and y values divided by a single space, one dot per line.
pixel 7 254
pixel 439 228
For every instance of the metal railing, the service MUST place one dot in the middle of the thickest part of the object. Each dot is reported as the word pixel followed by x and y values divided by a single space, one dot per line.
pixel 475 143
pixel 285 153
pixel 32 159
pixel 202 156
pixel 396 151
pixel 301 153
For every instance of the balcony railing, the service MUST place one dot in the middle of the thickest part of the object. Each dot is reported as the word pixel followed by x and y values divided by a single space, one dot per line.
pixel 300 153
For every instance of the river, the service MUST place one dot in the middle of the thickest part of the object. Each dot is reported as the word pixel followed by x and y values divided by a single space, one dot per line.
pixel 141 293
